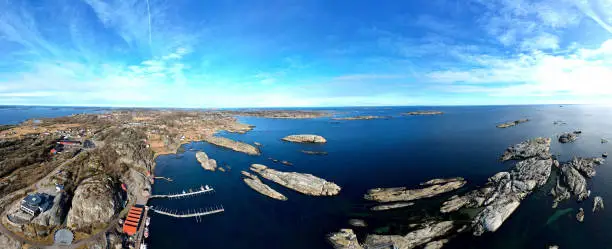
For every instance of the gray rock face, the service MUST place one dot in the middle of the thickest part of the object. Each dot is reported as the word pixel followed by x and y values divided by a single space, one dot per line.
pixel 404 194
pixel 53 216
pixel 504 191
pixel 95 202
pixel 436 244
pixel 569 137
pixel 391 206
pixel 256 184
pixel 438 181
pixel 572 180
pixel 300 182
pixel 597 204
pixel 344 239
pixel 207 164
pixel 305 138
pixel 538 147
pixel 138 186
pixel 414 239
pixel 586 166
pixel 7 242
pixel 494 215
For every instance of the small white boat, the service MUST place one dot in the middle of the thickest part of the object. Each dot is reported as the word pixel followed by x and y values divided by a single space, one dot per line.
pixel 148 221
pixel 146 232
pixel 143 246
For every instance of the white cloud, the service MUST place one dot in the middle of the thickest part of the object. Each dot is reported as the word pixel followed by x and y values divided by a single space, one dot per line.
pixel 543 41
pixel 580 73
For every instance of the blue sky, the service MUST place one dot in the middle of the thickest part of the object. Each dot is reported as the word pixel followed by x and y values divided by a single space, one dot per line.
pixel 181 53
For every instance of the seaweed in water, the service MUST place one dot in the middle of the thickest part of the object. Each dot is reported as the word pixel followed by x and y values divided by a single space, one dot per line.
pixel 558 215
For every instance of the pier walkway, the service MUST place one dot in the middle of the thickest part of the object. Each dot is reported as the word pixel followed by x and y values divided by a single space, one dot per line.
pixel 184 194
pixel 189 214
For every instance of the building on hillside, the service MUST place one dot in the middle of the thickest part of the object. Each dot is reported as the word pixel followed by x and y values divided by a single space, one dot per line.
pixel 133 220
pixel 37 203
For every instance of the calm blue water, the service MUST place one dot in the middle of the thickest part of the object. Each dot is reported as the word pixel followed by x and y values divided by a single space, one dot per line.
pixel 401 151
pixel 18 114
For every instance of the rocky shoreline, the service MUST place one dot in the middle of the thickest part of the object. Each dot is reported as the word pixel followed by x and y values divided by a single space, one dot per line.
pixel 493 203
pixel 304 183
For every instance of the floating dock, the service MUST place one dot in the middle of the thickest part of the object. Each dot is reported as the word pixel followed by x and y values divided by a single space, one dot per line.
pixel 190 213
pixel 203 190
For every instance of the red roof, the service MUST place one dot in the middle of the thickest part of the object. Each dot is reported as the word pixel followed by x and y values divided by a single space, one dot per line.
pixel 130 226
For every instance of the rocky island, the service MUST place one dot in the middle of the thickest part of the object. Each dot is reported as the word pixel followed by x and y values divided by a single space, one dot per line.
pixel 256 184
pixel 417 113
pixel 304 183
pixel 233 145
pixel 569 137
pixel 434 187
pixel 207 164
pixel 305 138
pixel 512 123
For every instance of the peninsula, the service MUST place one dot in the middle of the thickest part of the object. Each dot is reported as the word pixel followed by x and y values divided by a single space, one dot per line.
pixel 83 172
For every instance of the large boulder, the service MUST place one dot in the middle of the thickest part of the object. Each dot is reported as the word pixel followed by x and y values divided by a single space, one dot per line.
pixel 95 203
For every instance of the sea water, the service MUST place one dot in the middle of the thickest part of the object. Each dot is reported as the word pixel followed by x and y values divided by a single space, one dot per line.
pixel 364 154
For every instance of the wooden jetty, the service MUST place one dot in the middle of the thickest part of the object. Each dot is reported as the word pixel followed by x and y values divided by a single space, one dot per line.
pixel 163 178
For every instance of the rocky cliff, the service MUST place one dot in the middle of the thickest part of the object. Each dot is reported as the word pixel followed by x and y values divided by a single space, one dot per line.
pixel 94 203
